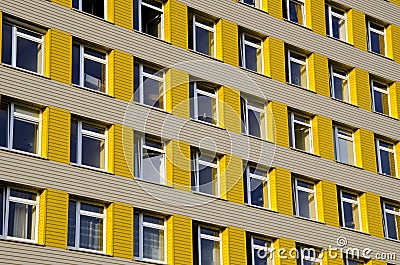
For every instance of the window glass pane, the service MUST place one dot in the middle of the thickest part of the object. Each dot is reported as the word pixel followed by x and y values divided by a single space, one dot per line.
pixel 249 2
pixel 346 151
pixel 153 243
pixel 151 20
pixel 327 28
pixel 304 205
pixel 206 108
pixel 245 188
pixel 260 257
pixel 153 166
pixel 7 43
pixel 341 89
pixel 153 92
pixel 2 209
pixel 377 43
pixel 208 180
pixel 137 156
pixel 337 24
pixel 349 218
pixel 153 143
pixel 21 220
pixel 136 235
pixel 298 74
pixel 29 55
pixel 92 208
pixel 302 137
pixel 349 196
pixel 204 41
pixel 93 152
pixel 91 233
pixel 391 226
pixel 210 252
pixel 91 128
pixel 75 4
pixel 296 12
pixel 256 189
pixel 94 7
pixel 153 220
pixel 387 163
pixel 251 57
pixel 209 232
pixel 136 78
pixel 71 223
pixel 94 75
pixel 3 125
pixel 25 135
pixel 23 194
pixel 381 102
pixel 76 61
pixel 95 53
pixel 74 141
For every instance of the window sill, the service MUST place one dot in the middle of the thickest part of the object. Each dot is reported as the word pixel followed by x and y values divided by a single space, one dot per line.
pixel 309 220
pixel 260 208
pixel 21 240
pixel 304 152
pixel 304 88
pixel 89 251
pixel 380 55
pixel 350 165
pixel 207 123
pixel 385 115
pixel 92 168
pixel 342 41
pixel 149 260
pixel 388 176
pixel 21 153
pixel 393 240
pixel 24 70
pixel 354 230
pixel 92 90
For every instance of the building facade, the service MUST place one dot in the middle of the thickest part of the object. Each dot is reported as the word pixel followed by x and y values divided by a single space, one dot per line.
pixel 199 132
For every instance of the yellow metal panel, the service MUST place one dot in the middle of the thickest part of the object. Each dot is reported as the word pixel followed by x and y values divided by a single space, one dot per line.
pixel 365 149
pixel 322 137
pixel 120 12
pixel 120 71
pixel 281 191
pixel 176 23
pixel 229 109
pixel 227 42
pixel 121 150
pixel 283 257
pixel 332 257
pixel 179 240
pixel 315 16
pixel 119 236
pixel 231 178
pixel 394 93
pixel 66 3
pixel 397 157
pixel 177 93
pixel 319 74
pixel 393 42
pixel 357 29
pixel 111 149
pixel 371 218
pixel 274 58
pixel 277 119
pixel 327 203
pixel 376 262
pixel 178 165
pixel 234 246
pixel 42 218
pixel 360 92
pixel 56 125
pixel 273 7
pixel 58 55
pixel 396 2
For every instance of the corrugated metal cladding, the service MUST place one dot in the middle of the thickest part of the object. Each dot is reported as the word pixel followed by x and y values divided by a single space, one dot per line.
pixel 57 181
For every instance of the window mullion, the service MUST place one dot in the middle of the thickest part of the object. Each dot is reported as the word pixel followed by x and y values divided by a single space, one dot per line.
pixel 82 64
pixel 141 235
pixel 79 143
pixel 14 46
pixel 77 224
pixel 7 212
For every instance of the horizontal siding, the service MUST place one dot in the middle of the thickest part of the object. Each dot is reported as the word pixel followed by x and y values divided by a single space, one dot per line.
pixel 227 42
pixel 356 27
pixel 360 92
pixel 322 137
pixel 234 246
pixel 176 23
pixel 370 205
pixel 179 240
pixel 327 203
pixel 280 182
pixel 59 135
pixel 319 74
pixel 229 109
pixel 178 165
pixel 177 93
pixel 122 230
pixel 315 16
pixel 56 218
pixel 123 13
pixel 60 56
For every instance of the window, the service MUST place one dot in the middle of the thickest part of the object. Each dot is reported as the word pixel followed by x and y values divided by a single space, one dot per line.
pixel 203 102
pixel 253 3
pixel 251 53
pixel 300 132
pixel 149 86
pixel 19 214
pixel 254 118
pixel 149 161
pixel 207 246
pixel 385 158
pixel 150 238
pixel 294 11
pixel 350 210
pixel 86 226
pixel 305 204
pixel 20 128
pixel 256 188
pixel 340 88
pixel 308 256
pixel 205 175
pixel 391 218
pixel 89 68
pixel 344 145
pixel 94 7
pixel 203 37
pixel 335 23
pixel 297 67
pixel 88 144
pixel 376 38
pixel 259 251
pixel 22 48
pixel 149 17
pixel 380 97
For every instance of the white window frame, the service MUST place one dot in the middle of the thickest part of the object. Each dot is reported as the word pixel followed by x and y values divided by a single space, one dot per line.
pixel 337 136
pixel 265 180
pixel 315 259
pixel 356 202
pixel 292 59
pixel 267 250
pixel 372 29
pixel 153 226
pixel 331 14
pixel 375 88
pixel 205 27
pixel 378 153
pixel 14 36
pixel 303 13
pixel 385 212
pixel 198 162
pixel 298 188
pixel 98 136
pixel 196 103
pixel 7 199
pixel 201 236
pixel 142 146
pixel 141 88
pixel 143 3
pixel 105 9
pixel 293 121
pixel 334 73
pixel 255 46
pixel 82 57
pixel 78 214
pixel 250 106
pixel 26 118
